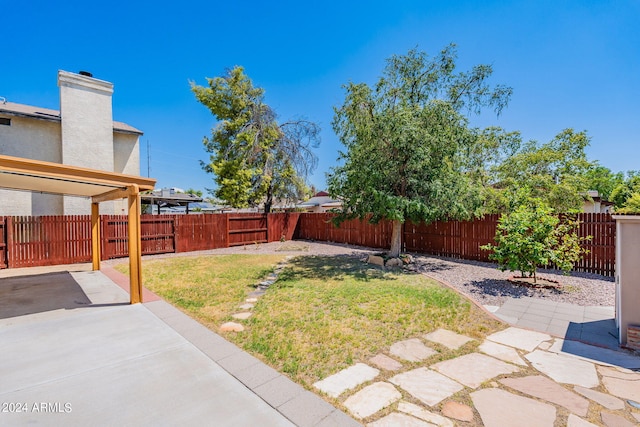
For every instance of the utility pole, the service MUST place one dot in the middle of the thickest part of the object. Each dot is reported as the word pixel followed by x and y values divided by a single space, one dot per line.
pixel 148 160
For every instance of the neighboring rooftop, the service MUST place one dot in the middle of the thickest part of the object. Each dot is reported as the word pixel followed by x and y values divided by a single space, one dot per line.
pixel 22 110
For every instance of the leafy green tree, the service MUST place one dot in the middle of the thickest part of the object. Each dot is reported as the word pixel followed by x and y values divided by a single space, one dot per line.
pixel 194 192
pixel 623 192
pixel 255 159
pixel 632 205
pixel 407 141
pixel 554 172
pixel 532 235
pixel 603 180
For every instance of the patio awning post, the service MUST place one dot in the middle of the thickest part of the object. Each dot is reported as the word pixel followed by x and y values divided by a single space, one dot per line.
pixel 95 236
pixel 135 257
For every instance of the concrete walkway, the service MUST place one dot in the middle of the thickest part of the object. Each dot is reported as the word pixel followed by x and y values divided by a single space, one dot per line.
pixel 592 325
pixel 75 353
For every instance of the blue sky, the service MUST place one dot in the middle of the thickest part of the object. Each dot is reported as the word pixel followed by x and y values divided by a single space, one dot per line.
pixel 570 63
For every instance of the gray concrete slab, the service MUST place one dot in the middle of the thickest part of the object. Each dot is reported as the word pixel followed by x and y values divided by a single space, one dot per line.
pixel 110 363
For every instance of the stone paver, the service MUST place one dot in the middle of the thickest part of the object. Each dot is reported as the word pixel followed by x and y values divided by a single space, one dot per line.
pixel 613 420
pixel 412 350
pixel 626 389
pixel 372 399
pixel 473 369
pixel 447 338
pixel 395 419
pixel 383 361
pixel 231 327
pixel 458 411
pixel 242 316
pixel 426 385
pixel 576 421
pixel 347 379
pixel 502 352
pixel 246 306
pixel 606 400
pixel 519 338
pixel 423 414
pixel 499 408
pixel 564 369
pixel 545 389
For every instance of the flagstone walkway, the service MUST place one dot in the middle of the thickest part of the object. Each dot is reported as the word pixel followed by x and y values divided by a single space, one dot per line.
pixel 516 377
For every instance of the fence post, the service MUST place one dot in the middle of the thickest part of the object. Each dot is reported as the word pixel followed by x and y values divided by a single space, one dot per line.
pixel 10 242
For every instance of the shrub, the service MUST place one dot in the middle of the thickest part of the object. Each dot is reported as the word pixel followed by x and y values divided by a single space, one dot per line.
pixel 532 235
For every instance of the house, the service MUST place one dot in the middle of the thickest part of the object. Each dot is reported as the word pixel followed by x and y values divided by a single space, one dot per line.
pixel 320 202
pixel 82 133
pixel 593 203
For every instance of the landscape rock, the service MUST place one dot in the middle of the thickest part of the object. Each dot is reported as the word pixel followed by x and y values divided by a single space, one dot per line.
pixel 376 260
pixel 394 262
pixel 457 411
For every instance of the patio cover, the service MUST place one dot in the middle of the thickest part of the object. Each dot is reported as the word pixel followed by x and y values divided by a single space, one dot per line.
pixel 33 175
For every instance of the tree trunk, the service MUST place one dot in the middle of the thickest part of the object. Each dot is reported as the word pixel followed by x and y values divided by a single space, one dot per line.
pixel 396 239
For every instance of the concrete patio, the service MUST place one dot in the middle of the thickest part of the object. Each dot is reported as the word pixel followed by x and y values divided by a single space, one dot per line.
pixel 74 352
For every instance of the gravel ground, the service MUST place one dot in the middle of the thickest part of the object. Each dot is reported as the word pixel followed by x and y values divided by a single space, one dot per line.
pixel 480 281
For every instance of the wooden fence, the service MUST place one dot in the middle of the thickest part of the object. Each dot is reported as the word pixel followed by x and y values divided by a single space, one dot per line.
pixel 33 241
pixel 458 239
pixel 52 240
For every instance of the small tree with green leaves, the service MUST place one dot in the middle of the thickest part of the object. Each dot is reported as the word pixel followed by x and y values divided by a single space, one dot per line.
pixel 531 236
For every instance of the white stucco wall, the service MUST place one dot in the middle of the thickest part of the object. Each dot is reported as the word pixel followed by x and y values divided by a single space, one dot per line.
pixel 37 140
pixel 84 136
pixel 126 153
pixel 87 130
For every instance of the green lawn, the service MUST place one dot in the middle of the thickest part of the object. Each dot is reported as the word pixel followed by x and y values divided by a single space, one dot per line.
pixel 322 315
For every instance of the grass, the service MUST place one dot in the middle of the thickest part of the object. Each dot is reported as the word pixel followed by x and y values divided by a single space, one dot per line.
pixel 322 315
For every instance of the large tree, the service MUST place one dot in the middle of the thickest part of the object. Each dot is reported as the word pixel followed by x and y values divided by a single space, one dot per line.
pixel 408 141
pixel 555 172
pixel 256 160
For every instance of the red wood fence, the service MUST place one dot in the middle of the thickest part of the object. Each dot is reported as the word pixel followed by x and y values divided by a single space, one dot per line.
pixel 459 239
pixel 51 240
pixel 32 241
